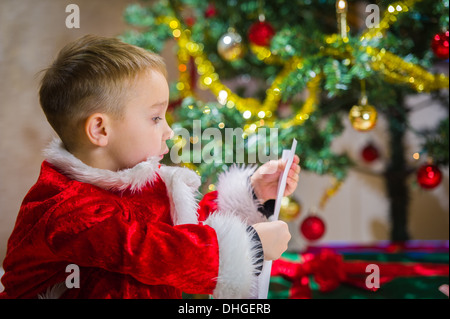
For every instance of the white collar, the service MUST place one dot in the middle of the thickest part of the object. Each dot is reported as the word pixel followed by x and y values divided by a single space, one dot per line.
pixel 132 178
pixel 182 183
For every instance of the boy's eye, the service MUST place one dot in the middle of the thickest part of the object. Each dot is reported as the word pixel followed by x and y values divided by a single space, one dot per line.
pixel 157 119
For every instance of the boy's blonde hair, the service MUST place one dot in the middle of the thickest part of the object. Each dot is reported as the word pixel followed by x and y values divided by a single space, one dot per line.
pixel 91 75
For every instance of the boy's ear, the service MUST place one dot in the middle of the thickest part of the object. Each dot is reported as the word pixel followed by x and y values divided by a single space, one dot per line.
pixel 96 129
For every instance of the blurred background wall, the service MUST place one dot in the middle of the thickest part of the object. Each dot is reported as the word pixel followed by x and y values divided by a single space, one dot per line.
pixel 31 34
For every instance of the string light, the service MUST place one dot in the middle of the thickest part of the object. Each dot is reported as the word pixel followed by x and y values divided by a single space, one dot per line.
pixel 341 12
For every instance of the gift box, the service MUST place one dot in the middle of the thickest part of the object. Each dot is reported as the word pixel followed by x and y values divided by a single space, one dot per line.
pixel 385 270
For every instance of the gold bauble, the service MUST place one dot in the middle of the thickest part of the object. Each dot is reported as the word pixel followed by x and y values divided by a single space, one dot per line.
pixel 230 46
pixel 363 117
pixel 289 209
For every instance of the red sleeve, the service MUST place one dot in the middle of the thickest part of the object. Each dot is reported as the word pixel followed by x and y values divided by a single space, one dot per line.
pixel 207 205
pixel 105 235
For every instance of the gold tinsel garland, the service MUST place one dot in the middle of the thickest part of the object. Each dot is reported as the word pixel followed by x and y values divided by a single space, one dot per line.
pixel 393 67
pixel 389 17
pixel 258 113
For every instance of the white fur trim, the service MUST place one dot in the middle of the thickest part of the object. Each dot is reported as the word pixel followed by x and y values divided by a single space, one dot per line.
pixel 182 183
pixel 237 257
pixel 182 188
pixel 133 178
pixel 54 292
pixel 235 194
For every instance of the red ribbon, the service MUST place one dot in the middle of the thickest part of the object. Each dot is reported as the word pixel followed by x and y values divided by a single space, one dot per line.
pixel 329 270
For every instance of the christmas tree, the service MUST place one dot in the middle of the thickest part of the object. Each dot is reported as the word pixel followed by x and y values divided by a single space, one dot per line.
pixel 303 67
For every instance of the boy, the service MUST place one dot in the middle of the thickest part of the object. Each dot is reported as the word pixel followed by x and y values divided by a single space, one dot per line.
pixel 104 203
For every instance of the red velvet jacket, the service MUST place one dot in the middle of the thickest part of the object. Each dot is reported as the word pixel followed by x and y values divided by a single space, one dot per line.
pixel 137 233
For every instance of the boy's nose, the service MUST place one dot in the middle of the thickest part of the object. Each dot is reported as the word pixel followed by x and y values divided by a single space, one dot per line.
pixel 169 133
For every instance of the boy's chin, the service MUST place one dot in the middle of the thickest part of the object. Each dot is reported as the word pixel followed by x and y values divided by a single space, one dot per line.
pixel 155 158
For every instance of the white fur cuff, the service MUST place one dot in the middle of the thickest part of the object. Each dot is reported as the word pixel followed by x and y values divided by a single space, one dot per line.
pixel 238 257
pixel 235 194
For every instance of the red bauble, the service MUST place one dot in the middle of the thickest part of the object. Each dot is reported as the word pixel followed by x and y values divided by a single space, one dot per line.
pixel 210 11
pixel 260 33
pixel 190 21
pixel 429 176
pixel 440 44
pixel 370 153
pixel 312 228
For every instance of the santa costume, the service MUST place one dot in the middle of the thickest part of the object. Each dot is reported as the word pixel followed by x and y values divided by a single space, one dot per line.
pixel 135 233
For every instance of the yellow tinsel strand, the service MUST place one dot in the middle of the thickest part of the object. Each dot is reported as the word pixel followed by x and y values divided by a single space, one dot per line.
pixel 389 17
pixel 330 192
pixel 394 68
pixel 209 79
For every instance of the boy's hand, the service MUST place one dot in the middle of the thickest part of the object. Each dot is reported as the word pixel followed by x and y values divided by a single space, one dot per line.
pixel 274 238
pixel 265 179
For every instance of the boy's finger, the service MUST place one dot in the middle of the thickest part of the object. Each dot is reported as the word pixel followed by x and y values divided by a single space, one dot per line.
pixel 281 164
pixel 290 188
pixel 293 176
pixel 295 168
pixel 272 167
